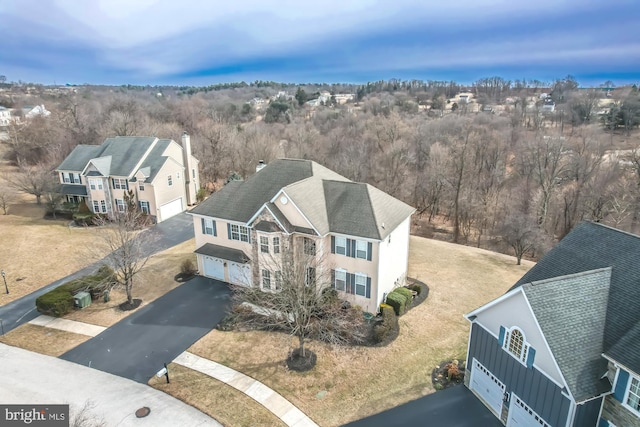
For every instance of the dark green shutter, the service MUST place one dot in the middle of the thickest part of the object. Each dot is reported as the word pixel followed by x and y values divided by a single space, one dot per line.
pixel 215 231
pixel 348 249
pixel 113 183
pixel 621 385
pixel 353 248
pixel 126 184
pixel 229 231
pixel 503 331
pixel 369 249
pixel 333 279
pixel 204 229
pixel 333 244
pixel 368 286
pixel 531 355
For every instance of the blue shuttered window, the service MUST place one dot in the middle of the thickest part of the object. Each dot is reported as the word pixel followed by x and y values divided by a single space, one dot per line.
pixel 621 385
pixel 531 356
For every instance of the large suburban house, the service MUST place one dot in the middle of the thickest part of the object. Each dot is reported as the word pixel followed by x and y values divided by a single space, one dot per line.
pixel 562 346
pixel 162 175
pixel 301 209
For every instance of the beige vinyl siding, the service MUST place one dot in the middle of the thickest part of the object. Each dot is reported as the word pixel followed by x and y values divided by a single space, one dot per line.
pixel 163 193
pixel 291 212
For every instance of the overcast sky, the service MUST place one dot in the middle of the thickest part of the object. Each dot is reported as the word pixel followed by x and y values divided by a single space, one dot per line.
pixel 354 41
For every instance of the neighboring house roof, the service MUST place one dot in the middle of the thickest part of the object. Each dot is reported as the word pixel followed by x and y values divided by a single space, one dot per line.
pixel 328 200
pixel 125 152
pixel 571 311
pixel 223 252
pixel 592 246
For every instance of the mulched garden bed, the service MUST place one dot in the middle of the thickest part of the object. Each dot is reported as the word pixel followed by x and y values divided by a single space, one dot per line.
pixel 299 363
pixel 448 374
pixel 125 306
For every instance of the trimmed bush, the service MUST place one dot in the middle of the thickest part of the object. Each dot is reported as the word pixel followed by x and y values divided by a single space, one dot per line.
pixel 416 287
pixel 397 301
pixel 408 295
pixel 59 301
pixel 389 327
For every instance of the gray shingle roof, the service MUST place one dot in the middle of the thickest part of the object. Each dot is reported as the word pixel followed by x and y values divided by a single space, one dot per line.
pixel 223 252
pixel 72 189
pixel 591 246
pixel 329 201
pixel 155 160
pixel 571 312
pixel 79 157
pixel 125 152
pixel 240 200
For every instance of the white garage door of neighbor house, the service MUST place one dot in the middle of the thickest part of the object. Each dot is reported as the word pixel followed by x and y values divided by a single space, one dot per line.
pixel 170 209
pixel 520 415
pixel 213 267
pixel 239 274
pixel 487 386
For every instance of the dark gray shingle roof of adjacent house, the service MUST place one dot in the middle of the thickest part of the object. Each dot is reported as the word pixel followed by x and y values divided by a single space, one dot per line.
pixel 571 311
pixel 591 246
pixel 240 200
pixel 328 200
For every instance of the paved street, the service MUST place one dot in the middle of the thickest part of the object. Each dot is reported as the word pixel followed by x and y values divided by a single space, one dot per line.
pixel 32 378
pixel 453 407
pixel 137 346
pixel 159 237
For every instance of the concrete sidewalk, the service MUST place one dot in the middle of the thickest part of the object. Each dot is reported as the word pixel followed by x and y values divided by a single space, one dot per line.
pixel 262 394
pixel 274 402
pixel 33 378
pixel 67 325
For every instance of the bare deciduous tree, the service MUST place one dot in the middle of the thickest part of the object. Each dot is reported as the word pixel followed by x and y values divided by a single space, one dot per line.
pixel 36 180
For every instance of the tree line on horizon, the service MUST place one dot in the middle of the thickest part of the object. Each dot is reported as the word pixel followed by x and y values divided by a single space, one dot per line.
pixel 514 178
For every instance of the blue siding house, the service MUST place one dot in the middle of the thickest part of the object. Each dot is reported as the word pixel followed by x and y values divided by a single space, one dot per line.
pixel 562 347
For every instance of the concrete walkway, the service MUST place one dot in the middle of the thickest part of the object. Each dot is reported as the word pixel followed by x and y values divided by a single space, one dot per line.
pixel 67 325
pixel 262 394
pixel 259 392
pixel 32 378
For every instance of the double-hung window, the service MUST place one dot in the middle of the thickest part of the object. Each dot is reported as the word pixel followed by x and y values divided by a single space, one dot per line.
pixel 361 249
pixel 264 244
pixel 121 206
pixel 278 278
pixel 141 185
pixel 266 279
pixel 66 178
pixel 119 183
pixel 169 180
pixel 276 245
pixel 341 245
pixel 361 284
pixel 207 226
pixel 239 232
pixel 341 280
pixel 103 206
pixel 633 397
pixel 95 184
pixel 96 206
pixel 144 207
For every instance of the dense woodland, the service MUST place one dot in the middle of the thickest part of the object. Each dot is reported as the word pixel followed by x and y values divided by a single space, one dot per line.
pixel 501 175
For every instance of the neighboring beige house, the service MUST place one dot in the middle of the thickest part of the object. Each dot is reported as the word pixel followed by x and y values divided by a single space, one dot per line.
pixel 302 209
pixel 162 174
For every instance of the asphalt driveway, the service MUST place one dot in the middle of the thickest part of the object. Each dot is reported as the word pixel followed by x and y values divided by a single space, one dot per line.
pixel 453 407
pixel 161 236
pixel 137 346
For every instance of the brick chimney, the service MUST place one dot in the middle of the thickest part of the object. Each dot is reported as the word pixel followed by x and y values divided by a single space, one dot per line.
pixel 190 170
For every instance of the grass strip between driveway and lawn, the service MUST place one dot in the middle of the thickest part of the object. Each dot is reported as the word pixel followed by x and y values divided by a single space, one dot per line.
pixel 52 342
pixel 351 383
pixel 224 403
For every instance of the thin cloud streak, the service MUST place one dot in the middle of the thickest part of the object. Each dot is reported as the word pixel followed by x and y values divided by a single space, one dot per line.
pixel 159 41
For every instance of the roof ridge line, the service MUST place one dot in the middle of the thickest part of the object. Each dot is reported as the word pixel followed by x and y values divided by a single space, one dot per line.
pixel 614 229
pixel 567 276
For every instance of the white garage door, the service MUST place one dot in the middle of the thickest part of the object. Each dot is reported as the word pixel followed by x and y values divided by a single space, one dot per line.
pixel 239 274
pixel 487 386
pixel 170 209
pixel 520 415
pixel 213 267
